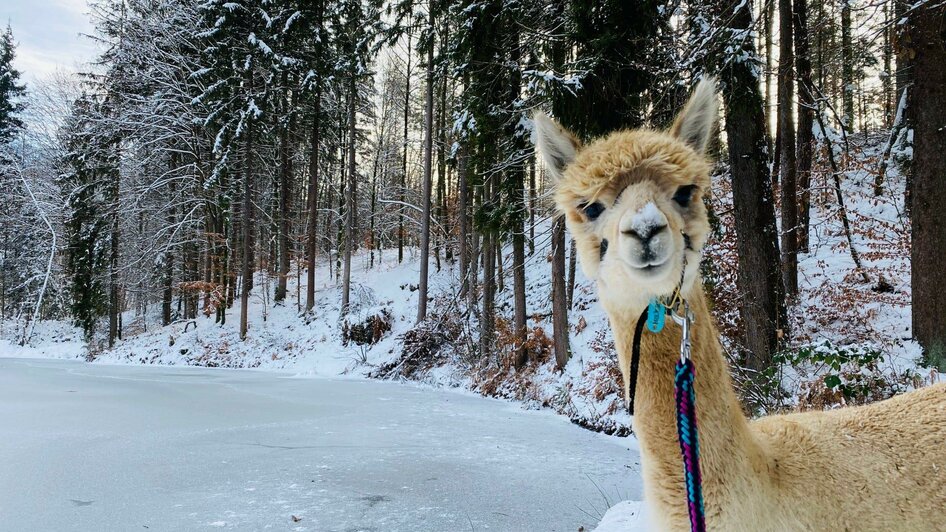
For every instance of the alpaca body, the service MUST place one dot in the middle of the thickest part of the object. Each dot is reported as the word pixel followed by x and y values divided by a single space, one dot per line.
pixel 633 202
pixel 875 467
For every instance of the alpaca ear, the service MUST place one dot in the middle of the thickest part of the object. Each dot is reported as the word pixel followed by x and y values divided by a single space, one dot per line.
pixel 694 124
pixel 554 144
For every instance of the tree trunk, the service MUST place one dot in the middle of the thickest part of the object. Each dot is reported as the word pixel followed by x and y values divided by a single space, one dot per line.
pixel 312 200
pixel 516 180
pixel 407 108
pixel 806 103
pixel 428 162
pixel 905 74
pixel 559 295
pixel 488 315
pixel 350 203
pixel 887 52
pixel 313 188
pixel 463 214
pixel 113 307
pixel 572 270
pixel 762 305
pixel 285 177
pixel 787 169
pixel 926 38
pixel 247 220
pixel 842 210
pixel 898 125
pixel 768 13
pixel 532 163
pixel 473 274
pixel 168 261
pixel 519 294
pixel 847 66
pixel 442 232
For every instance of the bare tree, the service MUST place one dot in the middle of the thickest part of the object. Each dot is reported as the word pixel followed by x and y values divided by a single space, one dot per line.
pixel 428 160
pixel 787 169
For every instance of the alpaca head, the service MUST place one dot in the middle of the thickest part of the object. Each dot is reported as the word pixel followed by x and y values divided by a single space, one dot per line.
pixel 633 201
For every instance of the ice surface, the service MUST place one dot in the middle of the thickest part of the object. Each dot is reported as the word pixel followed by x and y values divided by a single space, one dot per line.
pixel 100 447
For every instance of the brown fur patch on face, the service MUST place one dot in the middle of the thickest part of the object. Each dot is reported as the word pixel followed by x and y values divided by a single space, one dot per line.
pixel 602 169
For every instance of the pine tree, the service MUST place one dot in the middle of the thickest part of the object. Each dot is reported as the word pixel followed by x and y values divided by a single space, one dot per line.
pixel 89 171
pixel 609 40
pixel 11 90
pixel 238 55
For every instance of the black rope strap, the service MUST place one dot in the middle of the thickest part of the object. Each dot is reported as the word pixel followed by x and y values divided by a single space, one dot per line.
pixel 636 359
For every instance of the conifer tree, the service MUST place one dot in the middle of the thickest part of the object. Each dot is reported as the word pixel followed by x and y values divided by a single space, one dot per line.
pixel 89 171
pixel 11 90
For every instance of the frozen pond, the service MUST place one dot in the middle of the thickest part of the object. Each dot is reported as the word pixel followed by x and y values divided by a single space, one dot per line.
pixel 97 447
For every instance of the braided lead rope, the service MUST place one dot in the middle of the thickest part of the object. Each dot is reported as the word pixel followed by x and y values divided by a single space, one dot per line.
pixel 689 443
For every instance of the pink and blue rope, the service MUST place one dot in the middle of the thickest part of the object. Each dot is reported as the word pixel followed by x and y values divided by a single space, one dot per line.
pixel 689 443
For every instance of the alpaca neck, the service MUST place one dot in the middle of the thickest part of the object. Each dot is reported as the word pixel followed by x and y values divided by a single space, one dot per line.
pixel 728 450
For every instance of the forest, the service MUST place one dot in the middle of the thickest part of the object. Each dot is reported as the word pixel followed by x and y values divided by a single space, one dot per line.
pixel 233 163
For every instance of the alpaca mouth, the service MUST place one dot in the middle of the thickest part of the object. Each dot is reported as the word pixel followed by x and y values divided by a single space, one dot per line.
pixel 650 268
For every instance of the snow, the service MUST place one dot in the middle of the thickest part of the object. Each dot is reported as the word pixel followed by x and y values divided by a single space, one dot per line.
pixel 51 339
pixel 626 516
pixel 647 218
pixel 105 447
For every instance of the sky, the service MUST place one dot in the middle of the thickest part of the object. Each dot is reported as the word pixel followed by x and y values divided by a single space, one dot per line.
pixel 48 35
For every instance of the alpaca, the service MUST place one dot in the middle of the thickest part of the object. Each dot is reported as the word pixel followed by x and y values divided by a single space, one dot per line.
pixel 633 202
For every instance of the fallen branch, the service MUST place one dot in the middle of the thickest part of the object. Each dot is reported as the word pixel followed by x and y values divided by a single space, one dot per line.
pixel 836 173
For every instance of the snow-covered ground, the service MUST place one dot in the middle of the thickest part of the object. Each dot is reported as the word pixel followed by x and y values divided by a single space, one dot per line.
pixel 105 447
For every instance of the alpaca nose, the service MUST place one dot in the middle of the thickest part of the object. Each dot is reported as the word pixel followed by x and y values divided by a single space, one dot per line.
pixel 644 225
pixel 646 233
pixel 646 236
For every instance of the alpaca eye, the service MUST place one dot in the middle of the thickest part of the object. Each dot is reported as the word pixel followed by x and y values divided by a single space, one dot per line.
pixel 592 210
pixel 683 195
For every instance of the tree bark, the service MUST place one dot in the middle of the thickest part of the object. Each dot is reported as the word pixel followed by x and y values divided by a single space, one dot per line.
pixel 313 189
pixel 428 163
pixel 247 219
pixel 572 270
pixel 887 54
pixel 350 203
pixel 473 275
pixel 407 109
pixel 113 307
pixel 762 305
pixel 488 315
pixel 847 66
pixel 285 177
pixel 463 214
pixel 559 295
pixel 842 210
pixel 167 295
pixel 806 104
pixel 926 39
pixel 532 163
pixel 768 13
pixel 517 178
pixel 898 125
pixel 787 169
pixel 443 231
